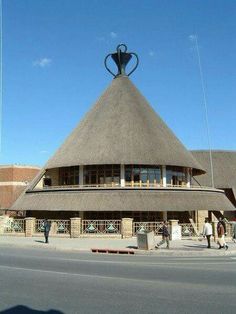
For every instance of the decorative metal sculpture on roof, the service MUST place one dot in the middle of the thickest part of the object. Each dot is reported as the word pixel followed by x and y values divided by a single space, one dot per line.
pixel 121 59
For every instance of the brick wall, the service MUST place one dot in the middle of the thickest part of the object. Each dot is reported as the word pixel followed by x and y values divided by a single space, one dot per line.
pixel 13 181
pixel 6 174
pixel 24 174
pixel 17 174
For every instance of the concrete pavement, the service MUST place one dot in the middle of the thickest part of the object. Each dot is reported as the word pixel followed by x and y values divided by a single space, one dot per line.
pixel 186 247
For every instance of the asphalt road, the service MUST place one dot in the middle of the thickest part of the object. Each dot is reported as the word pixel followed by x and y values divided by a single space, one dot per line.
pixel 63 282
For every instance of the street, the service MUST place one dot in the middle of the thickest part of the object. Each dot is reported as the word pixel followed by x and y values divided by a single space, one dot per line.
pixel 69 282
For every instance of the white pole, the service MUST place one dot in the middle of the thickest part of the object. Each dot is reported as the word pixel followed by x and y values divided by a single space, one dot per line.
pixel 164 176
pixel 206 111
pixel 122 175
pixel 1 91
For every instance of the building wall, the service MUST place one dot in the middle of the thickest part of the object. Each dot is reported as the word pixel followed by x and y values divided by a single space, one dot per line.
pixel 54 175
pixel 13 181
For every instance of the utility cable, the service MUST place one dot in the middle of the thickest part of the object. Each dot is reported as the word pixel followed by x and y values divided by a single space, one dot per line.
pixel 205 107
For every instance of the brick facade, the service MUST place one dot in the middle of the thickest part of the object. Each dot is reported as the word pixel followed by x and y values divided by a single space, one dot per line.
pixel 13 181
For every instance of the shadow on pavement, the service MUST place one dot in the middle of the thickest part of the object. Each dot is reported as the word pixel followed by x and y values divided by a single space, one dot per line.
pixel 21 309
pixel 39 241
pixel 132 247
pixel 201 246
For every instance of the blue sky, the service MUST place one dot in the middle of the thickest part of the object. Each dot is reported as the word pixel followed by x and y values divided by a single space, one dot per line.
pixel 53 70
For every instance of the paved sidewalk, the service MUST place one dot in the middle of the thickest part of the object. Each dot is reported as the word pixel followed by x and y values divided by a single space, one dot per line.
pixel 177 248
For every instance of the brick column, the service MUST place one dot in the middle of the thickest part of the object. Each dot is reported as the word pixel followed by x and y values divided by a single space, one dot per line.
pixel 75 227
pixel 53 229
pixel 201 216
pixel 1 224
pixel 214 230
pixel 29 226
pixel 127 227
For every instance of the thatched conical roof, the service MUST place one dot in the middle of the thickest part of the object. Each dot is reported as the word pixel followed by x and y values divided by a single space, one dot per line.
pixel 122 128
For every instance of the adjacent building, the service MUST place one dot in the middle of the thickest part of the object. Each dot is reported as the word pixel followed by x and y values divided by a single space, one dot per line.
pixel 223 174
pixel 14 179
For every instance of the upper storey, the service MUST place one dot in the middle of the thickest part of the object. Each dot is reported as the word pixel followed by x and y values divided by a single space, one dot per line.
pixel 122 128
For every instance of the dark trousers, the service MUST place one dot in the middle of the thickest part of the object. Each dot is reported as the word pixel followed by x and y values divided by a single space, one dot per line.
pixel 208 241
pixel 46 237
pixel 165 239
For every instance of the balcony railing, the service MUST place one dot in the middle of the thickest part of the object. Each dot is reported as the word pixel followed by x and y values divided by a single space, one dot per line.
pixel 118 186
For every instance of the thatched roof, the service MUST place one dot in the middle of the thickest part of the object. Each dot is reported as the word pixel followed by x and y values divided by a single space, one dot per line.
pixel 122 128
pixel 124 200
pixel 224 168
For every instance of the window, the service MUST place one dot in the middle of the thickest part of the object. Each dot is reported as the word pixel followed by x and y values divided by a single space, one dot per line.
pixel 176 176
pixel 69 175
pixel 143 175
pixel 102 175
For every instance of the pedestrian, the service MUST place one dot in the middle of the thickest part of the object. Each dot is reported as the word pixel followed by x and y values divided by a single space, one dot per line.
pixel 165 236
pixel 47 227
pixel 221 236
pixel 222 221
pixel 207 232
pixel 234 232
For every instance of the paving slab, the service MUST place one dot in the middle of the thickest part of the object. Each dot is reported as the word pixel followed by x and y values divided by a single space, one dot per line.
pixel 185 247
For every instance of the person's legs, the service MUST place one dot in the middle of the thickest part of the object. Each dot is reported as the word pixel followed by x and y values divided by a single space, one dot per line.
pixel 164 239
pixel 46 237
pixel 168 242
pixel 161 242
pixel 208 241
pixel 224 243
pixel 220 242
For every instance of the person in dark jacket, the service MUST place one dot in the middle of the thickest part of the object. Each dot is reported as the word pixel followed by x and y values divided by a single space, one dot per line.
pixel 47 227
pixel 165 236
pixel 222 221
pixel 234 232
pixel 221 235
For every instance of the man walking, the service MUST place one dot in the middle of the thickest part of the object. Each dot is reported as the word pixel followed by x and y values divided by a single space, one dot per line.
pixel 234 232
pixel 165 236
pixel 221 236
pixel 47 227
pixel 207 232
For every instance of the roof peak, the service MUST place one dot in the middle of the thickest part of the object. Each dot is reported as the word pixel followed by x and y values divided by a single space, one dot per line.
pixel 121 58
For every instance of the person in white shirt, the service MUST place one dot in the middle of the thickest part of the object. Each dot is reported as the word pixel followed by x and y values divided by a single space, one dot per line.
pixel 207 232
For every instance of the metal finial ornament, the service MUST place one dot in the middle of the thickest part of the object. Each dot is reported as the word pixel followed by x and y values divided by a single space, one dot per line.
pixel 121 58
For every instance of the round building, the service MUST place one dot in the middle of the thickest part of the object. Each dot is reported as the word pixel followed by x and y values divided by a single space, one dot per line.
pixel 122 160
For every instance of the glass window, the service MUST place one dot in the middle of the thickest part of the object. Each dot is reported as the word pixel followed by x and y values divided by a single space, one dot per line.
pixel 128 173
pixel 102 174
pixel 136 174
pixel 176 176
pixel 69 175
pixel 146 174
